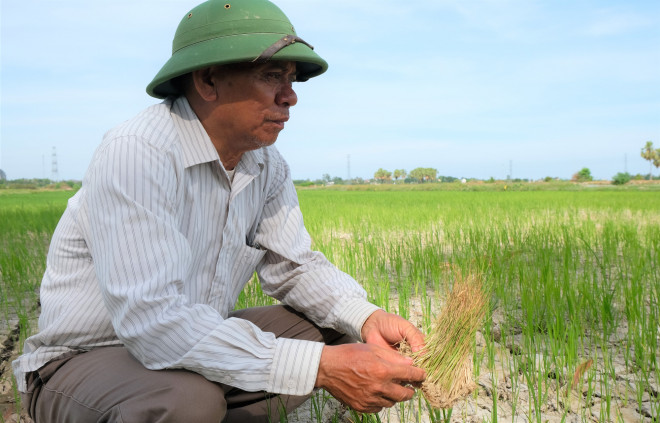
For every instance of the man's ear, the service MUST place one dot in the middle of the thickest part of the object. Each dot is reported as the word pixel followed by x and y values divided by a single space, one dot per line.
pixel 205 83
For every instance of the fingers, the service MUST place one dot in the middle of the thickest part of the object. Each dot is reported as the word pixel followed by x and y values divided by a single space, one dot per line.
pixel 390 395
pixel 415 338
pixel 399 393
pixel 387 329
pixel 407 375
pixel 367 377
pixel 391 355
pixel 396 375
pixel 400 368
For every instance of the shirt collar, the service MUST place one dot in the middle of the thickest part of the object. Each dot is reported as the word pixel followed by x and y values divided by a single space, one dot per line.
pixel 196 144
pixel 252 162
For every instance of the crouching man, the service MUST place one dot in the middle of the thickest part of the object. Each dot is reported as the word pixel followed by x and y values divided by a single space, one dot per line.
pixel 179 207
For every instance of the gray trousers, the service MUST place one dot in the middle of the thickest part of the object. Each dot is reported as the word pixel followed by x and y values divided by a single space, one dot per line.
pixel 109 385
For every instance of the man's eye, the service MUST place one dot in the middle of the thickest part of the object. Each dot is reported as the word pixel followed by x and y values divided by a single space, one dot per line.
pixel 279 77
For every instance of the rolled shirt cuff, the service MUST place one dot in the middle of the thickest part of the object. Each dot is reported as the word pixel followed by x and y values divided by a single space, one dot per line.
pixel 352 314
pixel 295 366
pixel 296 362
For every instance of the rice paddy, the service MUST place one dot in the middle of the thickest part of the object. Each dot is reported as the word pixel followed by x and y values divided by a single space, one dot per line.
pixel 573 325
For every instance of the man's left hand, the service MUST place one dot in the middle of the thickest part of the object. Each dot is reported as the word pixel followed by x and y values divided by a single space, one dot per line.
pixel 387 330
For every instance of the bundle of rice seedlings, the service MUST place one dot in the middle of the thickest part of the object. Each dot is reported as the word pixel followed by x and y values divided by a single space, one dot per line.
pixel 447 356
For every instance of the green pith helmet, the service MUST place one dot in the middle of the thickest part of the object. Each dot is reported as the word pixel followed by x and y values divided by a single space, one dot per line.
pixel 233 31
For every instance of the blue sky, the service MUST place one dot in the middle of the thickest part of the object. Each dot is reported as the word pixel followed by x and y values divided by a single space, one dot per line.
pixel 470 88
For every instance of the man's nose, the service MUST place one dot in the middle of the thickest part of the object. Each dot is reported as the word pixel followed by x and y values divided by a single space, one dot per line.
pixel 286 96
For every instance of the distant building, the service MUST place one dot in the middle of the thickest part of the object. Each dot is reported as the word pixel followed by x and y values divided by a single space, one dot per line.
pixel 3 175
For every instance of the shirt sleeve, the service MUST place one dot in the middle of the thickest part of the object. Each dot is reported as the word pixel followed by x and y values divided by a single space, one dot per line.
pixel 303 279
pixel 300 277
pixel 142 259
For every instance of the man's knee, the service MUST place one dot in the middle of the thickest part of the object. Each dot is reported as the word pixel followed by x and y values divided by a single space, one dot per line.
pixel 198 404
pixel 110 384
pixel 191 399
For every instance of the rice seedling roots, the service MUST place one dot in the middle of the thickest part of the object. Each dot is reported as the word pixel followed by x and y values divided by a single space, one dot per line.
pixel 437 395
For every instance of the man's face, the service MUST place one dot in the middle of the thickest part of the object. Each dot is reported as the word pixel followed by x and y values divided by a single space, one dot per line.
pixel 253 103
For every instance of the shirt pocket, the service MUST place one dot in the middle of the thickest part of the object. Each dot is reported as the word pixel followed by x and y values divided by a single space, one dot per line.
pixel 247 260
pixel 245 263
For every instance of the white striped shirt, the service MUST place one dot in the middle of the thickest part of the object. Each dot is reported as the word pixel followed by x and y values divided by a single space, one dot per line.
pixel 154 249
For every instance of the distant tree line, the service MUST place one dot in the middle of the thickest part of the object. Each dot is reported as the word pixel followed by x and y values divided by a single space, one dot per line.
pixel 39 183
pixel 382 177
pixel 415 176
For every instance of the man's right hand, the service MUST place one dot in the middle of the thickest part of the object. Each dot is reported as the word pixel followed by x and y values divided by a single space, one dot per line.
pixel 367 377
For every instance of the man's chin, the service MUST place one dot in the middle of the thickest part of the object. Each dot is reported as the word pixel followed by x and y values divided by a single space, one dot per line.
pixel 270 138
pixel 264 142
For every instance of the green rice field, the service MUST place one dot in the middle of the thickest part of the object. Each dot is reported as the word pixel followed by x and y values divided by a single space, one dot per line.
pixel 573 328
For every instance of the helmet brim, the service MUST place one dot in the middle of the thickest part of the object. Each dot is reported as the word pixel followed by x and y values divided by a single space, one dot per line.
pixel 238 48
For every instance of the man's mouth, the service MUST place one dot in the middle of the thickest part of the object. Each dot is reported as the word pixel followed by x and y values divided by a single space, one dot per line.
pixel 279 121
